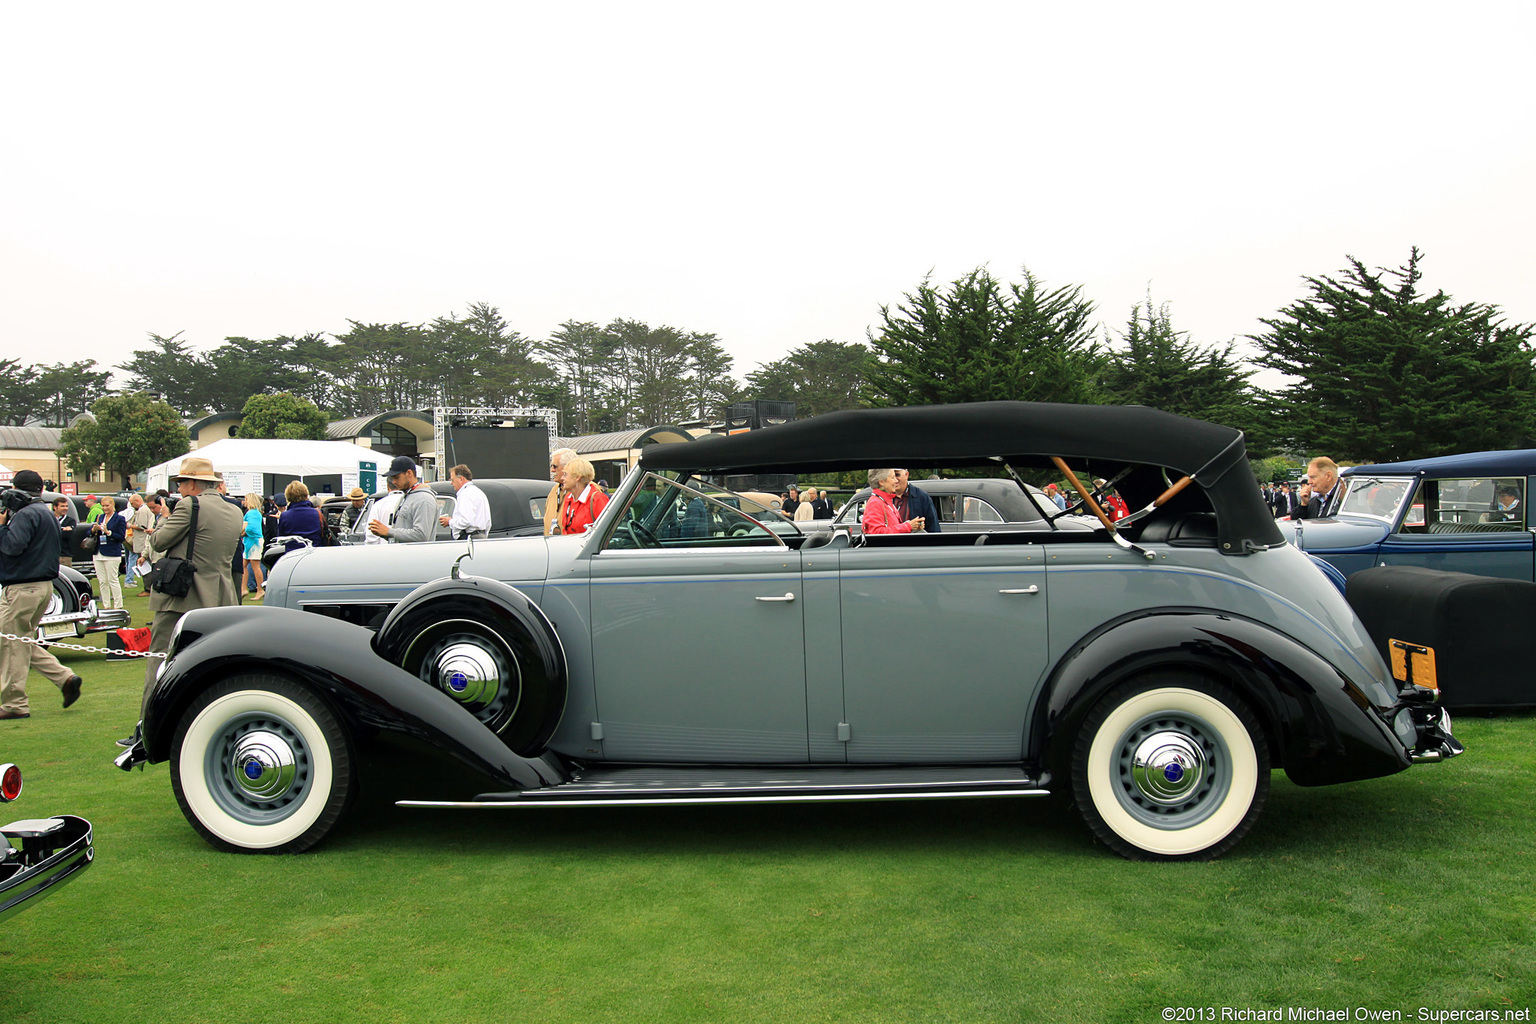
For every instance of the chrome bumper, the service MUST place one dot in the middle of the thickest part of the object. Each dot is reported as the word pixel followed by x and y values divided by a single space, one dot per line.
pixel 77 624
pixel 1435 742
pixel 39 855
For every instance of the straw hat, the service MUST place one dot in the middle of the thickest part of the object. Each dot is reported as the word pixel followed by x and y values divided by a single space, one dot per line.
pixel 196 469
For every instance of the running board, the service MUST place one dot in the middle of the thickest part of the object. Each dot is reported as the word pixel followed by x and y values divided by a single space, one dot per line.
pixel 684 785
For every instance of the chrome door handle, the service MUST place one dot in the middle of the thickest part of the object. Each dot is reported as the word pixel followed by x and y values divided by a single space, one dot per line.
pixel 1026 590
pixel 779 600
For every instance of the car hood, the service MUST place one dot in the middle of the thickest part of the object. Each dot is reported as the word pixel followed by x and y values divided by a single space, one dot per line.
pixel 1342 533
pixel 379 568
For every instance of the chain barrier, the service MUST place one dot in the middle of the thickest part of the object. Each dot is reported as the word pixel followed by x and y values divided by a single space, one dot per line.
pixel 82 647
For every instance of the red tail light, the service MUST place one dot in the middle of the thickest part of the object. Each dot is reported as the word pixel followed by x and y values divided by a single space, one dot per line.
pixel 10 783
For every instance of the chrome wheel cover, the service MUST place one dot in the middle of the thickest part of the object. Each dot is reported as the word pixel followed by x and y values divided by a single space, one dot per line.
pixel 258 768
pixel 471 663
pixel 1172 770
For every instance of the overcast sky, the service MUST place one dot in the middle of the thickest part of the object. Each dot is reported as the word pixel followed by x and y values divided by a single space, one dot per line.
pixel 772 173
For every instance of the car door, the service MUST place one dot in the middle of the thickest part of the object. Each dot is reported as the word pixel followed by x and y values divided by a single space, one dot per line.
pixel 698 635
pixel 943 647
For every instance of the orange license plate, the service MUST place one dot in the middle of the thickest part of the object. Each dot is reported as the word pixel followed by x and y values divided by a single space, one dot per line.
pixel 1413 663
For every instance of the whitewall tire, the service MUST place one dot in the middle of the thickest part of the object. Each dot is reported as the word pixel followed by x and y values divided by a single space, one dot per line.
pixel 260 765
pixel 1170 767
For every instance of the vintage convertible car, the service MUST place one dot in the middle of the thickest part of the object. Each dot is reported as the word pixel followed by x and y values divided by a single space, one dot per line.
pixel 1157 669
pixel 38 854
pixel 1462 513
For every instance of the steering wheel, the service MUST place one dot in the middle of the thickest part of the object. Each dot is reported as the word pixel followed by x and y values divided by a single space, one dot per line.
pixel 639 536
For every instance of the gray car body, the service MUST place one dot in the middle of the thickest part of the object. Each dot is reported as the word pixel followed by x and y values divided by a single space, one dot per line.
pixel 890 652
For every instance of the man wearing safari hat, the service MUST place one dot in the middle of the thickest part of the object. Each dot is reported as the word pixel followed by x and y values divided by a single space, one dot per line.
pixel 358 498
pixel 219 526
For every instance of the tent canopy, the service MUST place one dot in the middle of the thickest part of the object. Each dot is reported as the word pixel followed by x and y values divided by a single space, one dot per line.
pixel 246 462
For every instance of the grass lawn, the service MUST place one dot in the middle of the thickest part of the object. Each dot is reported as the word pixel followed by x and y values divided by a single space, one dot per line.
pixel 1395 894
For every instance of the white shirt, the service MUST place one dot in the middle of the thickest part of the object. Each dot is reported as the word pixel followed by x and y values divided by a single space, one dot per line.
pixel 381 511
pixel 470 512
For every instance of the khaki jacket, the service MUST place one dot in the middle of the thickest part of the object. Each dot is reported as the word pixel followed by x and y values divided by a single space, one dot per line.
pixel 219 526
pixel 141 519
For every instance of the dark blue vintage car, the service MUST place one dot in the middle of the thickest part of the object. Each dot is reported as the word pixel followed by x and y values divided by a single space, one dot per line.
pixel 1464 513
pixel 1157 668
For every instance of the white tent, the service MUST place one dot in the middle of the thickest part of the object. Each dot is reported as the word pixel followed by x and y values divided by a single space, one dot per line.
pixel 250 464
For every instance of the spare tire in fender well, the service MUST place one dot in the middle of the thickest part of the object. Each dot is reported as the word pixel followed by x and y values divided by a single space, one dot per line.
pixel 512 616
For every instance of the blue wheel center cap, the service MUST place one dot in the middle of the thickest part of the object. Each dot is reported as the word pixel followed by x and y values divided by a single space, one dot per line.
pixel 458 681
pixel 253 769
pixel 1173 771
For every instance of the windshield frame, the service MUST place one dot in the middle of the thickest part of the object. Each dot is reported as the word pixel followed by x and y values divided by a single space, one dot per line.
pixel 1356 483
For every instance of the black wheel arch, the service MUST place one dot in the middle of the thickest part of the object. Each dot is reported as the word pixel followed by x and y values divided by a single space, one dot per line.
pixel 1319 727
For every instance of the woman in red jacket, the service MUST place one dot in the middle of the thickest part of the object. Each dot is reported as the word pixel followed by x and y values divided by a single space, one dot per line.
pixel 581 501
pixel 880 515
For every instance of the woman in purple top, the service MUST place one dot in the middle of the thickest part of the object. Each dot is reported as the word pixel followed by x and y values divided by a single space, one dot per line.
pixel 300 519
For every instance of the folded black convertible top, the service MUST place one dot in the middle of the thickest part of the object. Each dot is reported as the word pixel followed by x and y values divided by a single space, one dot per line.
pixel 1020 433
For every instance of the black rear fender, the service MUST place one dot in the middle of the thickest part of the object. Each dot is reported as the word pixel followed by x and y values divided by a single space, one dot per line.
pixel 1320 727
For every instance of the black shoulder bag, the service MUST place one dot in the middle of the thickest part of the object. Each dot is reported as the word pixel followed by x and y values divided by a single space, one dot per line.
pixel 173 576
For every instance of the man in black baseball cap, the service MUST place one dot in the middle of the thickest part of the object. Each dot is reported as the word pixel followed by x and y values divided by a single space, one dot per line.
pixel 29 563
pixel 415 519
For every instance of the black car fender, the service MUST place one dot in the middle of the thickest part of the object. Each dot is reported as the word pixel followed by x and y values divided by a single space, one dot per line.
pixel 1319 726
pixel 78 586
pixel 336 661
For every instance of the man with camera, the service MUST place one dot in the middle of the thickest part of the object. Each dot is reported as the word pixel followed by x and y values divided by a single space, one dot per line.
pixel 29 563
pixel 218 530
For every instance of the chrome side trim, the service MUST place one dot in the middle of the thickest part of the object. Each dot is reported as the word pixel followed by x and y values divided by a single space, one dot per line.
pixel 787 798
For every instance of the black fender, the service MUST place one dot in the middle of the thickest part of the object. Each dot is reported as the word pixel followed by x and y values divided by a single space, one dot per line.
pixel 78 585
pixel 1321 728
pixel 336 660
pixel 541 657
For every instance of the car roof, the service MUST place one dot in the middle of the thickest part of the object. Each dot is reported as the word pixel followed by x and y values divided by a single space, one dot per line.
pixel 1521 462
pixel 958 435
pixel 1020 433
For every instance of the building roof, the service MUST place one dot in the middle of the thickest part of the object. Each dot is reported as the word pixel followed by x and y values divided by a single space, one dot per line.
pixel 31 438
pixel 623 440
pixel 358 426
pixel 212 418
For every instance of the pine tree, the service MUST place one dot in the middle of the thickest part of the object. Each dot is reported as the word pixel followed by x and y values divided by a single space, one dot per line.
pixel 1382 372
pixel 1157 366
pixel 979 342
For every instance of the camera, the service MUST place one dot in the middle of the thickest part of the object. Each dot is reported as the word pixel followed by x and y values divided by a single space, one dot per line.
pixel 13 500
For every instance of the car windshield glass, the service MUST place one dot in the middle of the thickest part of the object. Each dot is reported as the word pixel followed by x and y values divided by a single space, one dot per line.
pixel 665 514
pixel 1376 496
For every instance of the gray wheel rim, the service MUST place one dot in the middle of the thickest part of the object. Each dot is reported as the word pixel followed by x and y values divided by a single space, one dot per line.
pixel 259 768
pixel 1173 770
